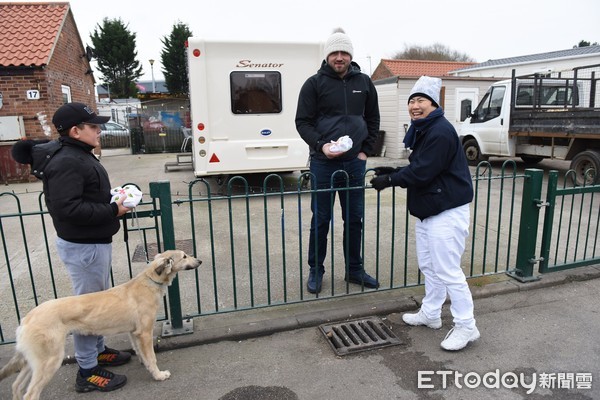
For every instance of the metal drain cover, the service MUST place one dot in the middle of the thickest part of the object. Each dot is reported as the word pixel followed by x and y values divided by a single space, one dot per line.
pixel 359 335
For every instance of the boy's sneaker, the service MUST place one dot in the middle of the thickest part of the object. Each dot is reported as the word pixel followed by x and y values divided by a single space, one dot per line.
pixel 111 357
pixel 420 319
pixel 459 337
pixel 101 380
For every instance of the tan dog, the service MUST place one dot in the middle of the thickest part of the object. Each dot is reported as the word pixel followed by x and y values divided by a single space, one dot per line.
pixel 130 307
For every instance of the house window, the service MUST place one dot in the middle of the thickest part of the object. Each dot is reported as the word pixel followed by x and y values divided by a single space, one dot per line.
pixel 66 94
pixel 255 92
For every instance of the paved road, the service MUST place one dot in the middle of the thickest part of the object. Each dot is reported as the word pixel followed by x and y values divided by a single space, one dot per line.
pixel 544 332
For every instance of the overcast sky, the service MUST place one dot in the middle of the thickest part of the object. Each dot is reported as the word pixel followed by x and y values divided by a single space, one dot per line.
pixel 378 28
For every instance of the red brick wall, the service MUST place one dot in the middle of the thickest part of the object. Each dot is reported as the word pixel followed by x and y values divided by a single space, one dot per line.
pixel 381 72
pixel 67 67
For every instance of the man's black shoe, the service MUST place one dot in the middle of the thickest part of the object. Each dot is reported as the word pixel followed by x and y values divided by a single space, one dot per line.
pixel 101 380
pixel 111 357
pixel 313 285
pixel 362 278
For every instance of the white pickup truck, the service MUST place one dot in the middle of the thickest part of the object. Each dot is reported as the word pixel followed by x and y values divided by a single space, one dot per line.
pixel 537 116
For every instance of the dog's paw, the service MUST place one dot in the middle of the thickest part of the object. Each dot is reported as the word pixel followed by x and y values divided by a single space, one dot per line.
pixel 162 375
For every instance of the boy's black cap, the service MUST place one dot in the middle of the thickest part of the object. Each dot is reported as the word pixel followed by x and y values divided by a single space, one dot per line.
pixel 71 114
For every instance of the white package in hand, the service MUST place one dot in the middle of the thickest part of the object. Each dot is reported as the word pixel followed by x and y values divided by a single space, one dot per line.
pixel 132 195
pixel 341 145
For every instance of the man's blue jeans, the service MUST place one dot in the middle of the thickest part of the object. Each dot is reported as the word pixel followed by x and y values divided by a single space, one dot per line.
pixel 337 174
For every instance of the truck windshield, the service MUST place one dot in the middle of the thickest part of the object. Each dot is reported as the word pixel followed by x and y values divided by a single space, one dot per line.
pixel 255 92
pixel 490 106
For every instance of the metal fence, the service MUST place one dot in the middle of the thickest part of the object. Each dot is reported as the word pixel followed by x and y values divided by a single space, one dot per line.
pixel 253 240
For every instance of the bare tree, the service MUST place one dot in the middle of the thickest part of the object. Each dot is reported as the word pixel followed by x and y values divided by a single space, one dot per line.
pixel 434 52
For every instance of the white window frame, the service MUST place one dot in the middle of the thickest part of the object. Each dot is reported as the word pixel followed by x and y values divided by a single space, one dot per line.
pixel 66 94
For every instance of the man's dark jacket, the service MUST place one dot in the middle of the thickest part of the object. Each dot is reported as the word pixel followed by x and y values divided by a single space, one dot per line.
pixel 330 107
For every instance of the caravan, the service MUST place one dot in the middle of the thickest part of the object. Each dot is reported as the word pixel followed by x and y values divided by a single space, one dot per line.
pixel 243 98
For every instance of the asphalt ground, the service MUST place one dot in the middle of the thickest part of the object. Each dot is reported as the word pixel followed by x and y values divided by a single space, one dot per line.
pixel 542 333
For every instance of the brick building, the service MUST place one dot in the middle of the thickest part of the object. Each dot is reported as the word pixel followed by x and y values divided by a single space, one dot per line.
pixel 43 64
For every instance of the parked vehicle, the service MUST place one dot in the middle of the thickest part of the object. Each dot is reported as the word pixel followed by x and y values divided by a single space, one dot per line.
pixel 113 129
pixel 114 135
pixel 551 115
pixel 153 124
pixel 243 98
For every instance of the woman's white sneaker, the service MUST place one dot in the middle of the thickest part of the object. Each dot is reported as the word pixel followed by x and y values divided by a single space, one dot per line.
pixel 458 337
pixel 420 319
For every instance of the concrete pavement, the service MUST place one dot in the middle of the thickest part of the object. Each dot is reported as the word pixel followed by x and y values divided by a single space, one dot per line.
pixel 542 333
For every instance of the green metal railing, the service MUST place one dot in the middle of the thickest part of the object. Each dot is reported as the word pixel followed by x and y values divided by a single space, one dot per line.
pixel 253 239
pixel 576 228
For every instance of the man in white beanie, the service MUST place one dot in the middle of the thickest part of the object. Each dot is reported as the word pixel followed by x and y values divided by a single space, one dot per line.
pixel 338 105
pixel 439 190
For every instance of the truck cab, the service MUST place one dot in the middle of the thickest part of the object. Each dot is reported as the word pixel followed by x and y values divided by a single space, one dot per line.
pixel 485 132
pixel 496 128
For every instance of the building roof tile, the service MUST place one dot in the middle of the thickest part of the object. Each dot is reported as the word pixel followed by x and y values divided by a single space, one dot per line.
pixel 422 67
pixel 29 32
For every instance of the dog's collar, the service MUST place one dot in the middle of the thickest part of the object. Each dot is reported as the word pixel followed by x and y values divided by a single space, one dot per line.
pixel 162 283
pixel 158 283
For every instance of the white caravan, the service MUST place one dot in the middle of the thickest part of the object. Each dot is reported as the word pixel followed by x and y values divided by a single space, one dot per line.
pixel 243 98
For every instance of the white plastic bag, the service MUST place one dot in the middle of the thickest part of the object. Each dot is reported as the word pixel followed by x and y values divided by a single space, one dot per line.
pixel 342 145
pixel 131 192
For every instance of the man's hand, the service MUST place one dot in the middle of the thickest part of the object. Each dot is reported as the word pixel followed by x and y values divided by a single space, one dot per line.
pixel 330 154
pixel 381 182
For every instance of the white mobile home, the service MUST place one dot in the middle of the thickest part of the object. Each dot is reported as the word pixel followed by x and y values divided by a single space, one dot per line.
pixel 243 98
pixel 542 63
pixel 458 97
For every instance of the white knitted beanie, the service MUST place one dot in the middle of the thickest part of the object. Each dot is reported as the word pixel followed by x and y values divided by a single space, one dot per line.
pixel 428 87
pixel 338 41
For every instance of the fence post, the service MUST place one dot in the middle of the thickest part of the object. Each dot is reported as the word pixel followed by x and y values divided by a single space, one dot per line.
pixel 176 326
pixel 528 226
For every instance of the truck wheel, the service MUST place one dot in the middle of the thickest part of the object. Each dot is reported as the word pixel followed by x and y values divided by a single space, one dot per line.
pixel 472 151
pixel 587 167
pixel 531 159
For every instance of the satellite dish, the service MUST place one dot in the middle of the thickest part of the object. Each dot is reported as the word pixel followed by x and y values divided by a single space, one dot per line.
pixel 89 53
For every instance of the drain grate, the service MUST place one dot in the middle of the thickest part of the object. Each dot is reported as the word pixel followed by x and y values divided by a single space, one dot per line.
pixel 138 254
pixel 359 335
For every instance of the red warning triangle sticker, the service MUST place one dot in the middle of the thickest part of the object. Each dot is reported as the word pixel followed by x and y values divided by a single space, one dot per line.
pixel 214 158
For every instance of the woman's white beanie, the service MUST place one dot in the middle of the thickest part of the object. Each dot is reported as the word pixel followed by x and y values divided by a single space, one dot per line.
pixel 338 41
pixel 428 87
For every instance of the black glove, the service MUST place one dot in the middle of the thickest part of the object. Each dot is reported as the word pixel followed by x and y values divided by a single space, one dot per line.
pixel 380 182
pixel 385 170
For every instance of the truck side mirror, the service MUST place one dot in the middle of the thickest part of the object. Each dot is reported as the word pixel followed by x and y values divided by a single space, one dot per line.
pixel 468 109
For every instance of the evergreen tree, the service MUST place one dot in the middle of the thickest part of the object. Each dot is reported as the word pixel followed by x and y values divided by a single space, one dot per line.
pixel 173 59
pixel 114 47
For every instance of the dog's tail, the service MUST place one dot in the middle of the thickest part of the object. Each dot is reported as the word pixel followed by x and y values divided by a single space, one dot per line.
pixel 14 365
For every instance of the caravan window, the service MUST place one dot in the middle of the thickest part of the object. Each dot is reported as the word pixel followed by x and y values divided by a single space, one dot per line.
pixel 255 92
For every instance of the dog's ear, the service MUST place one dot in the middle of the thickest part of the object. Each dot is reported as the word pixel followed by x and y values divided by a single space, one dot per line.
pixel 163 264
